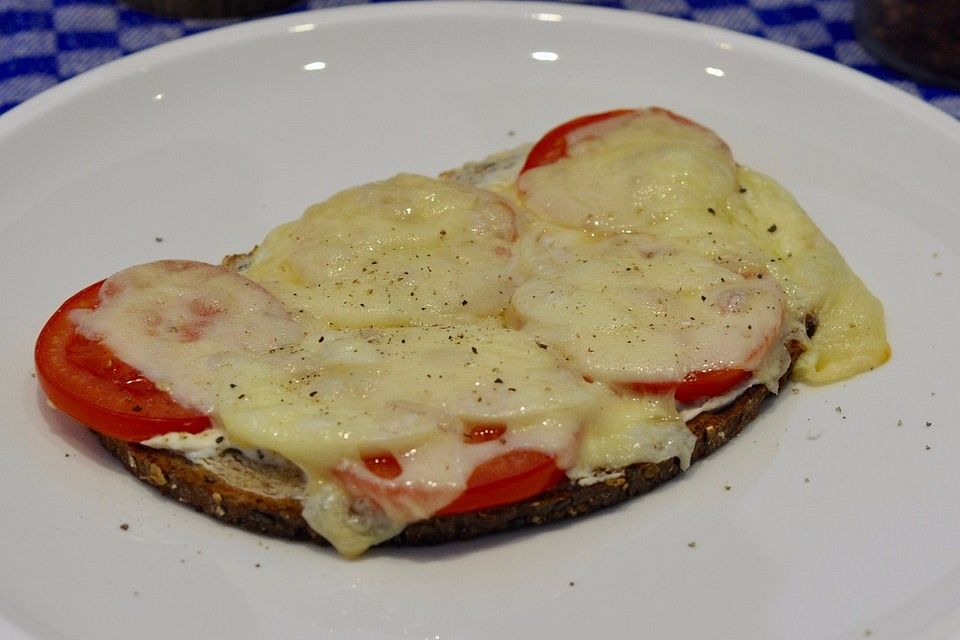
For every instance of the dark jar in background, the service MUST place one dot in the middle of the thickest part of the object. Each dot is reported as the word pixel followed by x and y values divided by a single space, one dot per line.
pixel 920 38
pixel 209 8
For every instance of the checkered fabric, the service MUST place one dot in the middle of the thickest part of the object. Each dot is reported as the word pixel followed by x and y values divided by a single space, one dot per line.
pixel 43 42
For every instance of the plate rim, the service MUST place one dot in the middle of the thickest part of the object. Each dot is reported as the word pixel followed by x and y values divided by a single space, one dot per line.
pixel 235 34
pixel 200 44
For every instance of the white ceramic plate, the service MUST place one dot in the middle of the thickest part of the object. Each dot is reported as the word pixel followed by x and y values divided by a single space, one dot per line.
pixel 836 515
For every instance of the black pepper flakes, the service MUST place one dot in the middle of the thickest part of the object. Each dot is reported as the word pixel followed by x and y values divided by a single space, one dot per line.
pixel 772 228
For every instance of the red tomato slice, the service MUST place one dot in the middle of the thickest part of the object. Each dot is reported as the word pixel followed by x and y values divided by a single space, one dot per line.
pixel 511 477
pixel 85 381
pixel 384 465
pixel 553 145
pixel 508 478
pixel 696 386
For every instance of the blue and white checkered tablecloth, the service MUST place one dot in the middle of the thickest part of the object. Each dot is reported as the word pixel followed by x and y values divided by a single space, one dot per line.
pixel 43 42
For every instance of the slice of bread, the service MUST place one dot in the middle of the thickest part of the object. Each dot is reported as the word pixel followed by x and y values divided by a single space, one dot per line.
pixel 263 498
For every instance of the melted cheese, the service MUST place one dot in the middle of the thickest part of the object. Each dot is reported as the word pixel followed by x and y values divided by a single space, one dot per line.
pixel 391 390
pixel 209 319
pixel 411 392
pixel 632 171
pixel 406 250
pixel 630 430
pixel 851 333
pixel 392 317
pixel 635 308
pixel 653 172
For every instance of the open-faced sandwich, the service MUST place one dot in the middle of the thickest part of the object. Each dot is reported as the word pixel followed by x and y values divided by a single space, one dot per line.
pixel 421 360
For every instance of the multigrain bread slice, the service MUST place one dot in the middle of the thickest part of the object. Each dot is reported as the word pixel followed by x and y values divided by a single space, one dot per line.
pixel 263 498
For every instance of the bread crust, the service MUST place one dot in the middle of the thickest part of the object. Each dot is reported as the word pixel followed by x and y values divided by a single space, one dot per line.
pixel 264 499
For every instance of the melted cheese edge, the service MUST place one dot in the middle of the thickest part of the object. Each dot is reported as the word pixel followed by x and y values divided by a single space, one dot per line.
pixel 659 174
pixel 396 314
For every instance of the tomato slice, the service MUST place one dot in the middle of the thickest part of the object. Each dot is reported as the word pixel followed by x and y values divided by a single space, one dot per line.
pixel 514 476
pixel 383 465
pixel 695 386
pixel 504 479
pixel 510 477
pixel 553 145
pixel 86 381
